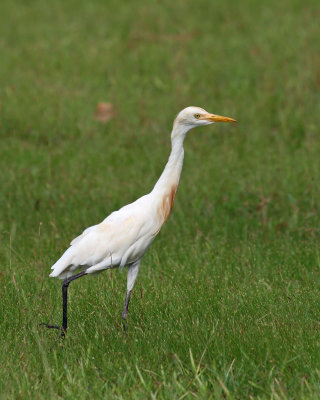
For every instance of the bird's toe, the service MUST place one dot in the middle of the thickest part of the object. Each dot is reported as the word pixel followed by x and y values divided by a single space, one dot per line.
pixel 62 331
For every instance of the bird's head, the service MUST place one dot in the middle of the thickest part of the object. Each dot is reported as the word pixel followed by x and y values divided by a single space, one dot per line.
pixel 191 117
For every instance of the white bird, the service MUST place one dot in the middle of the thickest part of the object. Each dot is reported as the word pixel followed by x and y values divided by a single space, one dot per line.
pixel 125 235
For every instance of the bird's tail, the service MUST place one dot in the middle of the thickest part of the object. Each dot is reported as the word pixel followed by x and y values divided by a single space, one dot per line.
pixel 63 267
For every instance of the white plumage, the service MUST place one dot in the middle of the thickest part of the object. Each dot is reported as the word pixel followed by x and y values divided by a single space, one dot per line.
pixel 125 235
pixel 121 239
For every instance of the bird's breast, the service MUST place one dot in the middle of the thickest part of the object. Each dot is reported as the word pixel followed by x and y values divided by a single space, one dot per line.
pixel 166 204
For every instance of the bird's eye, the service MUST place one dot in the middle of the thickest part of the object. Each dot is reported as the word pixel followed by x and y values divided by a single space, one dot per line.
pixel 197 116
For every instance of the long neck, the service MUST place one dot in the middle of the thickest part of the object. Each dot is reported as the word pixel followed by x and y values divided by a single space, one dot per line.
pixel 171 174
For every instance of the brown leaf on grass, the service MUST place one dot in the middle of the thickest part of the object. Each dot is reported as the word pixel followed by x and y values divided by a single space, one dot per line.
pixel 281 226
pixel 104 112
pixel 136 38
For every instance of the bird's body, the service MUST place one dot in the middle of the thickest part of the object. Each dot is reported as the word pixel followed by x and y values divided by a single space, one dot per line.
pixel 125 235
pixel 121 239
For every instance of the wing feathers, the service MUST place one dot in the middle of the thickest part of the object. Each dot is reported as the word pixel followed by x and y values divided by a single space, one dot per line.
pixel 121 238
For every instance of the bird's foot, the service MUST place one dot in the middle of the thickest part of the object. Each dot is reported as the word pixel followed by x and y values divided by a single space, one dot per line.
pixel 125 326
pixel 60 328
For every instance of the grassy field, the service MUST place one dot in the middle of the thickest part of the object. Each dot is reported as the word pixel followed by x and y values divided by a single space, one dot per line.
pixel 227 303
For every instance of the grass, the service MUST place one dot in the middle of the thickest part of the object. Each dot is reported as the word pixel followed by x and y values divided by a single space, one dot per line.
pixel 227 301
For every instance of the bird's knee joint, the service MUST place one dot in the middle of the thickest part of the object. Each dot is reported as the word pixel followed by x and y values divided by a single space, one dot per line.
pixel 65 285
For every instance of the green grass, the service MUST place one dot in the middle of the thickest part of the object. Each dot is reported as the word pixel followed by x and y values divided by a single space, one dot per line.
pixel 227 304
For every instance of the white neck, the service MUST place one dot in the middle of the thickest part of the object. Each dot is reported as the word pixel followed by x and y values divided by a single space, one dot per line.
pixel 172 171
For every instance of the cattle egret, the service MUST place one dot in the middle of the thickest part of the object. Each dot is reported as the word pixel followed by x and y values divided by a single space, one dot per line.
pixel 125 235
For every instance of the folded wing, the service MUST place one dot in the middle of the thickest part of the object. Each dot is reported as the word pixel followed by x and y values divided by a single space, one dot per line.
pixel 122 238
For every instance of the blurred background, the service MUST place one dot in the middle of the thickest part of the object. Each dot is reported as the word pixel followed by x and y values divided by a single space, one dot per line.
pixel 246 219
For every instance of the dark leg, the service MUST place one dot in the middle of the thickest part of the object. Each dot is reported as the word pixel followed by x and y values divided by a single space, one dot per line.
pixel 125 311
pixel 65 285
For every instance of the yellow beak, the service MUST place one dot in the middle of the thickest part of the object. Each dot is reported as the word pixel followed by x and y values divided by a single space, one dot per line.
pixel 217 118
